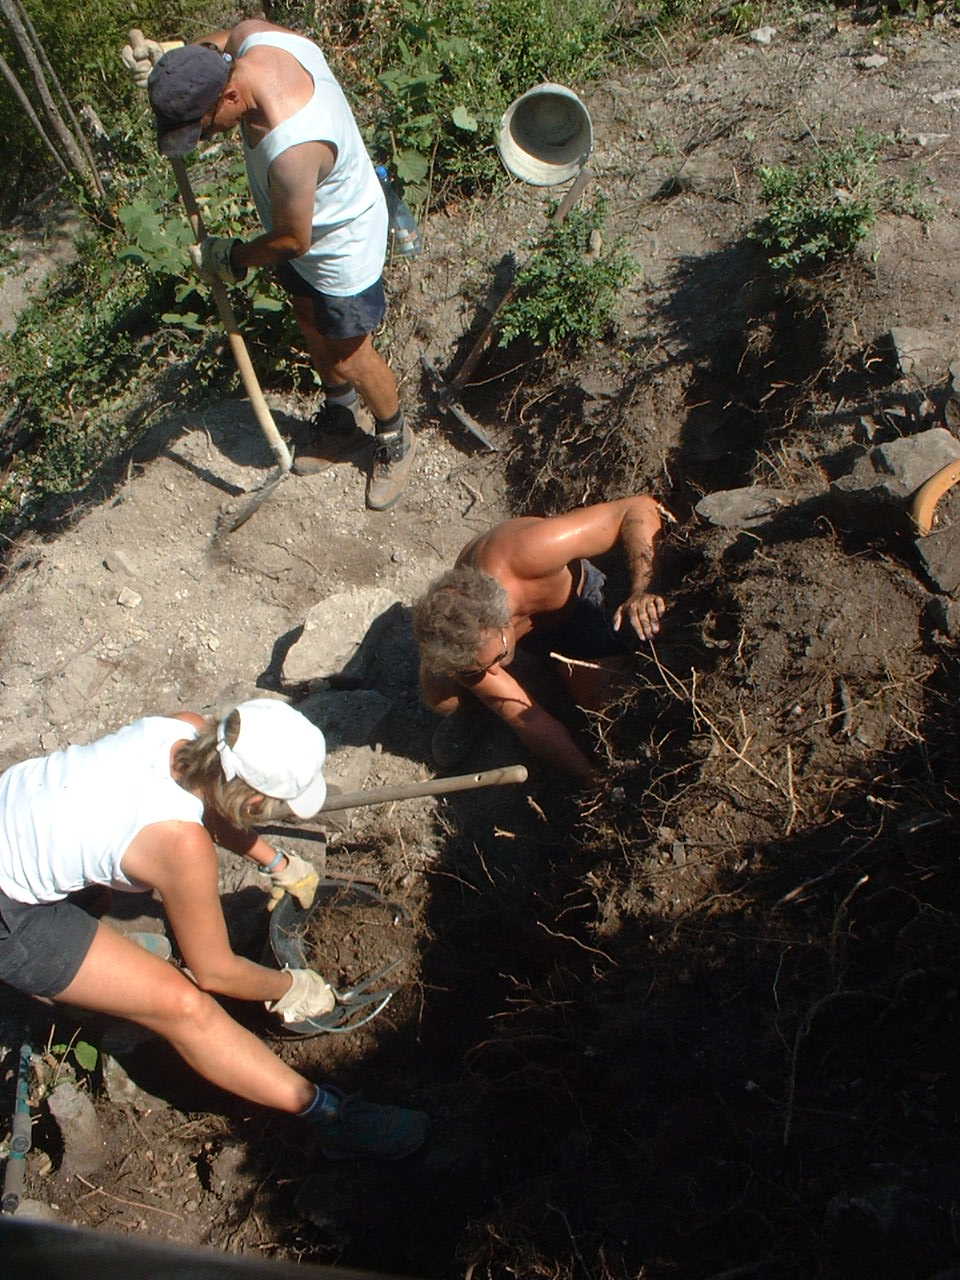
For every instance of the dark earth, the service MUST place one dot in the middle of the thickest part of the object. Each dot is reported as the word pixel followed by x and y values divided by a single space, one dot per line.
pixel 701 1022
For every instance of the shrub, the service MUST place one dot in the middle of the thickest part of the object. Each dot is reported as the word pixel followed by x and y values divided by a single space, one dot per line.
pixel 564 293
pixel 823 208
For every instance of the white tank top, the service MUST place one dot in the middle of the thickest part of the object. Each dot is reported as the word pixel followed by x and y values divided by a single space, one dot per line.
pixel 349 237
pixel 67 819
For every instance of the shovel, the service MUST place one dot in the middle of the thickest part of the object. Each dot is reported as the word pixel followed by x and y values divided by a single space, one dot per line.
pixel 248 375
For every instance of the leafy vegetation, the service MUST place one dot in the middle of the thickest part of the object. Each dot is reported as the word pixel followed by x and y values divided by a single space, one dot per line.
pixel 824 207
pixel 449 72
pixel 567 290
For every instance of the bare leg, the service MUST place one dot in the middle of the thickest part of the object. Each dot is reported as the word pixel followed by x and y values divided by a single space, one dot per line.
pixel 119 978
pixel 353 360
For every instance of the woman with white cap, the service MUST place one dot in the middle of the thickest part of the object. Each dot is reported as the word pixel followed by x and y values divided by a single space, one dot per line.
pixel 139 810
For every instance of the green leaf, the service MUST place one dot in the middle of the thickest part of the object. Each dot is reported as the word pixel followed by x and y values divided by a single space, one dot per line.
pixel 263 302
pixel 411 166
pixel 85 1054
pixel 464 120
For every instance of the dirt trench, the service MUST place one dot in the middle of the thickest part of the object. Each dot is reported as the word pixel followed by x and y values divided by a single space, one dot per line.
pixel 697 1024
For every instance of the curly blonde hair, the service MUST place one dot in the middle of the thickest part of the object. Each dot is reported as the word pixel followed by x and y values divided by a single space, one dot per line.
pixel 198 767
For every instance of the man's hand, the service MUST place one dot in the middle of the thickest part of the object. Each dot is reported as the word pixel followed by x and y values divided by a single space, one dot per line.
pixel 643 611
pixel 140 56
pixel 212 259
pixel 298 878
pixel 310 996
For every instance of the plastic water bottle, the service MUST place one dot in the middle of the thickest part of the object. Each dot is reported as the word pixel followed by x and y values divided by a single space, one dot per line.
pixel 404 232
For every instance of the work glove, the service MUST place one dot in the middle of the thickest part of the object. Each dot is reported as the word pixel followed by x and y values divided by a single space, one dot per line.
pixel 310 996
pixel 298 878
pixel 211 259
pixel 140 56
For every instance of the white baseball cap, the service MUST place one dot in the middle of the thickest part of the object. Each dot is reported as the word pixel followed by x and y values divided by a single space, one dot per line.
pixel 278 752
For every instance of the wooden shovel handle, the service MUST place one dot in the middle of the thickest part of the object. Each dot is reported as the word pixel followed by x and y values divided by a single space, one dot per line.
pixel 248 375
pixel 432 787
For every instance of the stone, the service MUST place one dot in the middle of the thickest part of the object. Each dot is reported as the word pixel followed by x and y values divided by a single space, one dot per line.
pixel 939 554
pixel 72 691
pixel 129 598
pixel 763 35
pixel 945 95
pixel 922 354
pixel 333 632
pixel 121 1090
pixel 117 561
pixel 740 508
pixel 83 1148
pixel 872 62
pixel 890 474
pixel 348 718
pixel 943 615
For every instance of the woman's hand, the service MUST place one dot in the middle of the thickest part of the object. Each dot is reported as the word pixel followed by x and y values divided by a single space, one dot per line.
pixel 298 878
pixel 310 996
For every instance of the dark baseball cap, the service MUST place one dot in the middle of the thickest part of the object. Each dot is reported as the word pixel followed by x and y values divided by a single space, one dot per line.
pixel 183 86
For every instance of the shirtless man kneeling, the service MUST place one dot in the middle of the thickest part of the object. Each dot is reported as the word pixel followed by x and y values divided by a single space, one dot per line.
pixel 527 586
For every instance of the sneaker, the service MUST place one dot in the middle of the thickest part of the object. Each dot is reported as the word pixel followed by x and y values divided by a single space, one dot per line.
pixel 455 737
pixel 391 467
pixel 334 436
pixel 359 1128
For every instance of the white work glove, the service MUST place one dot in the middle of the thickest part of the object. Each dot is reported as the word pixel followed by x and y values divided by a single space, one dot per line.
pixel 310 996
pixel 211 259
pixel 298 878
pixel 140 56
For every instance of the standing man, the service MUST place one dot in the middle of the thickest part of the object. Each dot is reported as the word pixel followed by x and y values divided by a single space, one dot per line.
pixel 527 589
pixel 322 208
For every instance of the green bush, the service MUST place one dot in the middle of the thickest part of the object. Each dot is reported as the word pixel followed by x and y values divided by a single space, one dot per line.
pixel 823 208
pixel 449 71
pixel 565 293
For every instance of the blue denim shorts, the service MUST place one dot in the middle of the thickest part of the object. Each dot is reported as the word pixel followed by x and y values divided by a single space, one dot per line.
pixel 350 317
pixel 43 944
pixel 587 630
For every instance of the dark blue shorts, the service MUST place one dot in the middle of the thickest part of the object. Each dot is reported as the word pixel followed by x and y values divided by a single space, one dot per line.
pixel 587 630
pixel 43 944
pixel 350 317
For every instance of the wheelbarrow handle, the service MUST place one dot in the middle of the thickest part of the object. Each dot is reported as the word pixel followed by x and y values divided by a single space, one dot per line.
pixel 432 787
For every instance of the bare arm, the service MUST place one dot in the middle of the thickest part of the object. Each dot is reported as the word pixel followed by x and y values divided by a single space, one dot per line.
pixel 178 860
pixel 543 734
pixel 531 549
pixel 294 178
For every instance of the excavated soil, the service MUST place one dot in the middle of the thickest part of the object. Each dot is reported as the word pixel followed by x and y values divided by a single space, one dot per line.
pixel 698 1023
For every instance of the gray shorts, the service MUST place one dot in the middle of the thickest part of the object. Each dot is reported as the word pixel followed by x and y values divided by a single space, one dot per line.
pixel 43 944
pixel 350 317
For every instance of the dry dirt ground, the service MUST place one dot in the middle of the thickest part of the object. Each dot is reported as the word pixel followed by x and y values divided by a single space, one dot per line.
pixel 699 1023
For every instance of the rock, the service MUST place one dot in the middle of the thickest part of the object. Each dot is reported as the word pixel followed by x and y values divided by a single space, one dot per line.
pixel 945 95
pixel 120 1089
pixel 943 615
pixel 922 353
pixel 872 62
pixel 83 1149
pixel 74 690
pixel 738 508
pixel 37 1210
pixel 333 631
pixel 129 598
pixel 348 718
pixel 890 474
pixel 117 562
pixel 763 35
pixel 939 554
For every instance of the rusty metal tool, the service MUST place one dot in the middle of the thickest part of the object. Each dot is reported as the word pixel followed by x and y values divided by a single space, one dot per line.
pixel 448 393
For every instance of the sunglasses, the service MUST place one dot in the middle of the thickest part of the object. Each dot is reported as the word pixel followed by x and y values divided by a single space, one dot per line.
pixel 474 674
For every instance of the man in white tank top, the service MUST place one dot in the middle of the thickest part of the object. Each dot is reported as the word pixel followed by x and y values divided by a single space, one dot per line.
pixel 322 208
